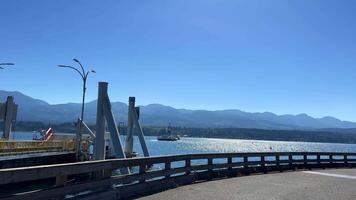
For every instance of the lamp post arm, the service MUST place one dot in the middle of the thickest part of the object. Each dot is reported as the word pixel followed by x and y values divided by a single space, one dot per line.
pixel 65 66
pixel 81 66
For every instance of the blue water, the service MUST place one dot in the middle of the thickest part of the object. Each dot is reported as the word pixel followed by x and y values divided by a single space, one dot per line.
pixel 188 145
pixel 209 145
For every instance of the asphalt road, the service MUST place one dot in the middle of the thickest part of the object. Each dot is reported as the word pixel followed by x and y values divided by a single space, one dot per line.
pixel 331 184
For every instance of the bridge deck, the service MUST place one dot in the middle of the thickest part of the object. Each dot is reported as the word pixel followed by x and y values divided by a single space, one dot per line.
pixel 95 180
pixel 321 184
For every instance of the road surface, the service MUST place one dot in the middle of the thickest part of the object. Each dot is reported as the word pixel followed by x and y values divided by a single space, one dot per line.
pixel 332 184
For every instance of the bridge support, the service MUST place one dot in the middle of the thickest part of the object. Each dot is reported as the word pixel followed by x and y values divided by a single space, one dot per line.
pixel 8 112
pixel 134 124
pixel 99 141
pixel 104 114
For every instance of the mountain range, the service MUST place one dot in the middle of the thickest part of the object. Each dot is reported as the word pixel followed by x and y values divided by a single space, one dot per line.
pixel 31 109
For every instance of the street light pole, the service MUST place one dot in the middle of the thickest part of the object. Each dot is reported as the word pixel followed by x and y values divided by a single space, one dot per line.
pixel 84 75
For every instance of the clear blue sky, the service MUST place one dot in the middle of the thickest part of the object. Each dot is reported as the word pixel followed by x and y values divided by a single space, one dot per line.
pixel 280 56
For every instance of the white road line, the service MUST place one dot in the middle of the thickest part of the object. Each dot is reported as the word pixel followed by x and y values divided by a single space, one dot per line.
pixel 331 175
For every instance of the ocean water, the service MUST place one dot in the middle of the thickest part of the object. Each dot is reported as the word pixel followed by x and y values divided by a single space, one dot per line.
pixel 211 145
pixel 188 145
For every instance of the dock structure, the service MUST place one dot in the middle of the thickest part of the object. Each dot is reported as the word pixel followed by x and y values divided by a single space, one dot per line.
pixel 196 167
pixel 30 152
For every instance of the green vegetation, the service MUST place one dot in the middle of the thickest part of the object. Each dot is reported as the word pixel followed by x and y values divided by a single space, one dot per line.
pixel 330 136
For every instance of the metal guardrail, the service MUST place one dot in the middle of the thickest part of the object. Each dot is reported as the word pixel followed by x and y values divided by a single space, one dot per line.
pixel 100 182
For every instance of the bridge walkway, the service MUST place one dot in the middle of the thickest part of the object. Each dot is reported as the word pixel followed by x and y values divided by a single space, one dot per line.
pixel 328 184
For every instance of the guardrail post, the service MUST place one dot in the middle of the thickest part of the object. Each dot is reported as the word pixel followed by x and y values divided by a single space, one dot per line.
pixel 167 167
pixel 263 164
pixel 245 164
pixel 187 165
pixel 278 163
pixel 210 170
pixel 142 170
pixel 229 168
pixel 61 180
pixel 345 160
pixel 290 160
pixel 305 160
pixel 318 159
pixel 324 164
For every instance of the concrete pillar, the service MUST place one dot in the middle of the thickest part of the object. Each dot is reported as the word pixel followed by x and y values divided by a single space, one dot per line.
pixel 130 124
pixel 9 111
pixel 114 132
pixel 141 137
pixel 99 141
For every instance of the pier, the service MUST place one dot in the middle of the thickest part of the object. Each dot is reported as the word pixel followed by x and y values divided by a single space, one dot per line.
pixel 102 179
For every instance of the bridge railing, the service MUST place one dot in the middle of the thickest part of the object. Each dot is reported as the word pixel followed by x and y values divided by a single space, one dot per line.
pixel 174 170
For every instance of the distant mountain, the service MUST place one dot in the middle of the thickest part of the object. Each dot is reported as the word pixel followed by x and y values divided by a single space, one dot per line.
pixel 31 109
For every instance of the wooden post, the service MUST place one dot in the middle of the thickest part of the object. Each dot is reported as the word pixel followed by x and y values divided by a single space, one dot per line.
pixel 318 159
pixel 305 160
pixel 322 164
pixel 210 170
pixel 278 164
pixel 263 164
pixel 245 164
pixel 142 170
pixel 167 167
pixel 187 165
pixel 229 162
pixel 331 159
pixel 290 160
pixel 61 180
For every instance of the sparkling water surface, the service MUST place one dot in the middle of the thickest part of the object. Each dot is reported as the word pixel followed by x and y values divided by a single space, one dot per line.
pixel 188 145
pixel 211 145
